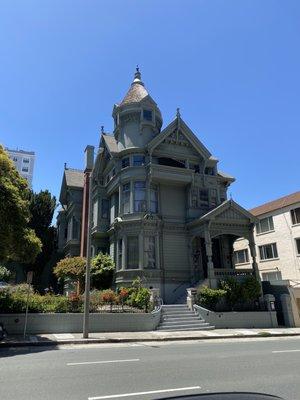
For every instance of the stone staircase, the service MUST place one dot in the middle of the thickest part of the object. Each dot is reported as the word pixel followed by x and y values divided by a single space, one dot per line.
pixel 177 317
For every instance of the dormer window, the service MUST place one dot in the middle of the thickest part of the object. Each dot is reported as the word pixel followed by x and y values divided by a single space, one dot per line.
pixel 147 115
pixel 125 162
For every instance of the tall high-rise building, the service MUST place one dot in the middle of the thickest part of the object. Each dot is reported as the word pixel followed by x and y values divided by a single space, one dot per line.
pixel 24 163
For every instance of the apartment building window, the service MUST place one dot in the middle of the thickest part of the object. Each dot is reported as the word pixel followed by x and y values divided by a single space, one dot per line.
pixel 26 160
pixel 241 256
pixel 132 252
pixel 105 208
pixel 15 159
pixel 24 169
pixel 138 160
pixel 295 214
pixel 126 198
pixel 154 199
pixel 265 225
pixel 298 246
pixel 125 162
pixel 268 251
pixel 271 276
pixel 140 203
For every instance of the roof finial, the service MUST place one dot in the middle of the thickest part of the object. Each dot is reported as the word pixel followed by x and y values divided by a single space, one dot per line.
pixel 178 112
pixel 137 76
pixel 102 129
pixel 65 165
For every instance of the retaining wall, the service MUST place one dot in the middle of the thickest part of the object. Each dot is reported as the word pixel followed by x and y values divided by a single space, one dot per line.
pixel 72 323
pixel 238 319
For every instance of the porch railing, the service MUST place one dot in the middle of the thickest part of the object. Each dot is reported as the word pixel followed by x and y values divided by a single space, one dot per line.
pixel 221 272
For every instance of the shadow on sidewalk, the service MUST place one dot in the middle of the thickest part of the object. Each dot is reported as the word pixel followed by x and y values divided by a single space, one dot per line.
pixel 13 349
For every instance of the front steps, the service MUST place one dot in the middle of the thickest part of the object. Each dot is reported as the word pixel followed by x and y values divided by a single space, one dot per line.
pixel 178 317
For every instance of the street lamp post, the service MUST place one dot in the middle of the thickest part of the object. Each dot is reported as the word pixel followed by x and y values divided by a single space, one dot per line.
pixel 86 315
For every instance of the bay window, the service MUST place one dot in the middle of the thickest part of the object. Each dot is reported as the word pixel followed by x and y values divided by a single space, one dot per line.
pixel 126 198
pixel 132 252
pixel 140 203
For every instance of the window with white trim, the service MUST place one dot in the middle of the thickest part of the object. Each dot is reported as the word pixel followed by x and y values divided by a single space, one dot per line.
pixel 297 246
pixel 271 276
pixel 241 256
pixel 295 215
pixel 105 208
pixel 140 203
pixel 268 251
pixel 132 252
pixel 26 160
pixel 24 169
pixel 265 225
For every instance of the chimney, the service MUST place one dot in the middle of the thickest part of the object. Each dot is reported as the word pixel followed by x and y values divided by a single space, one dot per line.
pixel 89 157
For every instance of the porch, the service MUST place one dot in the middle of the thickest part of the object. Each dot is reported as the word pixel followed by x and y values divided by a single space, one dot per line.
pixel 212 237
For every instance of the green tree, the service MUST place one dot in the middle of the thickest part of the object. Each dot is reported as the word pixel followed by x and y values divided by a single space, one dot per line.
pixel 72 268
pixel 102 271
pixel 42 206
pixel 18 242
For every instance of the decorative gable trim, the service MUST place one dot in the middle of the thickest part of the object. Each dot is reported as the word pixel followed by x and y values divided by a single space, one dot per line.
pixel 177 132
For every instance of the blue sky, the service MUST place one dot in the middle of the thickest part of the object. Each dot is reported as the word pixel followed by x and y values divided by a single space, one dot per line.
pixel 233 68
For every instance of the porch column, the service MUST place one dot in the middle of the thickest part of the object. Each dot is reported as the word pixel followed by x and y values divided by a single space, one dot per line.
pixel 253 255
pixel 210 264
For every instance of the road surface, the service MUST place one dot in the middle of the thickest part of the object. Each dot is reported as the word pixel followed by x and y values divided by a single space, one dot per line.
pixel 151 370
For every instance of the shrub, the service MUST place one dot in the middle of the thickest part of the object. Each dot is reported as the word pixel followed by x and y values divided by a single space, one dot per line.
pixel 233 291
pixel 209 298
pixel 4 274
pixel 109 297
pixel 71 268
pixel 251 289
pixel 142 299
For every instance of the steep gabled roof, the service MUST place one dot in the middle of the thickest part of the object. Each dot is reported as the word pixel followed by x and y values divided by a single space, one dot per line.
pixel 276 204
pixel 74 178
pixel 111 143
pixel 186 131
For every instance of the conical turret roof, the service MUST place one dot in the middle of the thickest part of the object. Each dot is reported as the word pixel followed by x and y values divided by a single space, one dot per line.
pixel 136 92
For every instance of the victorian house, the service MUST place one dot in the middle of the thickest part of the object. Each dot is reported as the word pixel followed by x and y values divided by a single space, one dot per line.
pixel 158 203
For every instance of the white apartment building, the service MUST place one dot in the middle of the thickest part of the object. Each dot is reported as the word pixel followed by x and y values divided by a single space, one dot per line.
pixel 277 239
pixel 24 163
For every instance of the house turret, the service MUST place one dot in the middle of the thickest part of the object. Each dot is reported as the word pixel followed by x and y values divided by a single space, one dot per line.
pixel 137 119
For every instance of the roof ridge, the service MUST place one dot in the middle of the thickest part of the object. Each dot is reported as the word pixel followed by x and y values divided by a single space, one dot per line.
pixel 276 204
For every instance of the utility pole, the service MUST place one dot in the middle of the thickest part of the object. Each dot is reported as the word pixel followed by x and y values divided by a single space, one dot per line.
pixel 86 315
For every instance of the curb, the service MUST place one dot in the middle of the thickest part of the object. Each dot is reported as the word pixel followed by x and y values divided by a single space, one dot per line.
pixel 131 340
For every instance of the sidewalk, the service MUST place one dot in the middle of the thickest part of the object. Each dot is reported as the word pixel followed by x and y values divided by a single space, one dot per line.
pixel 153 336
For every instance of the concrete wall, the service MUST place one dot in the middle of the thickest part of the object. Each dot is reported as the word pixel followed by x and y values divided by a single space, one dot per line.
pixel 238 319
pixel 72 323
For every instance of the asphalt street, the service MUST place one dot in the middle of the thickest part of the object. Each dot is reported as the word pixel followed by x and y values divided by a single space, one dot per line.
pixel 151 370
